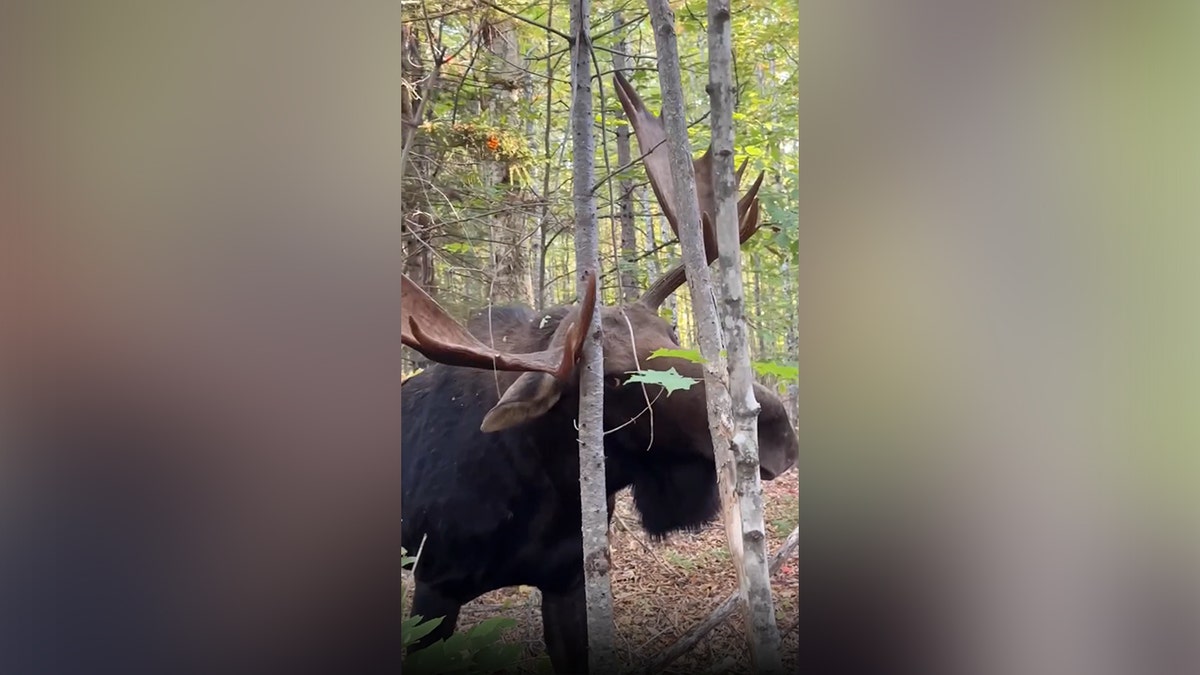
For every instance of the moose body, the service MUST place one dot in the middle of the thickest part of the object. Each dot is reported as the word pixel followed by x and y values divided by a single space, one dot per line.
pixel 489 510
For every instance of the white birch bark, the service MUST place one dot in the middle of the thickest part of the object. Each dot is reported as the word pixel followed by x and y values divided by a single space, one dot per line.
pixel 741 456
pixel 764 640
pixel 592 494
pixel 629 290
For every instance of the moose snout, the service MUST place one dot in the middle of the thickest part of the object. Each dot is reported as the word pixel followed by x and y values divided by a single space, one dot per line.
pixel 771 468
pixel 778 448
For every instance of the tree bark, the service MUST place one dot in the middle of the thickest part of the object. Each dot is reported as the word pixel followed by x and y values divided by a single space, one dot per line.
pixel 753 575
pixel 592 483
pixel 547 153
pixel 626 263
pixel 653 254
pixel 510 264
pixel 764 639
pixel 792 342
pixel 760 334
pixel 416 223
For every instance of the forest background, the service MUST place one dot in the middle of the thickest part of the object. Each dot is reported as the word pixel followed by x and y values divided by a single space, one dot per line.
pixel 487 182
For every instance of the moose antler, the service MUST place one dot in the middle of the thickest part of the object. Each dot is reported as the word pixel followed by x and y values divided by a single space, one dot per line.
pixel 665 285
pixel 434 333
pixel 652 138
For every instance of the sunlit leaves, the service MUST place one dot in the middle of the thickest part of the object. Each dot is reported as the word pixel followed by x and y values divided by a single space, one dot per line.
pixel 523 124
pixel 692 355
pixel 776 370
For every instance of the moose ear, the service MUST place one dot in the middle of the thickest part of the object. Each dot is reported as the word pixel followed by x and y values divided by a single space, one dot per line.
pixel 529 397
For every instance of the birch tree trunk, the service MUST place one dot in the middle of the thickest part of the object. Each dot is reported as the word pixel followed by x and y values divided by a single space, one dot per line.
pixel 547 153
pixel 592 488
pixel 691 240
pixel 625 264
pixel 762 632
pixel 653 255
pixel 537 257
pixel 753 575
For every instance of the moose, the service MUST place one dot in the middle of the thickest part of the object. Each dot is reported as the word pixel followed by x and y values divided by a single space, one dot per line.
pixel 490 468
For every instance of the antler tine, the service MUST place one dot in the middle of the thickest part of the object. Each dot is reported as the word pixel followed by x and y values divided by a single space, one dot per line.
pixel 652 136
pixel 434 333
pixel 577 332
pixel 652 141
pixel 665 285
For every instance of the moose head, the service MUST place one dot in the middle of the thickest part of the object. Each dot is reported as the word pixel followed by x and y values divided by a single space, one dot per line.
pixel 545 351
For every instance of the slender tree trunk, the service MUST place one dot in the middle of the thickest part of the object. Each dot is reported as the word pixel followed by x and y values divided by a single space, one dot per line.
pixel 672 302
pixel 416 223
pixel 743 461
pixel 746 543
pixel 691 240
pixel 540 286
pixel 510 264
pixel 625 264
pixel 791 343
pixel 528 218
pixel 592 484
pixel 760 334
pixel 654 256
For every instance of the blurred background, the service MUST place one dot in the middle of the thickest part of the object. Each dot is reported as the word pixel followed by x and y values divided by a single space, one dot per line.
pixel 997 336
pixel 201 353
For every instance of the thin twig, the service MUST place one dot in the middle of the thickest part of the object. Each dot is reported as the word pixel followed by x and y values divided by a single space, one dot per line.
pixel 527 20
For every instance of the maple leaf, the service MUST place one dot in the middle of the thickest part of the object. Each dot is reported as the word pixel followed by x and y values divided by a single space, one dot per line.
pixel 669 379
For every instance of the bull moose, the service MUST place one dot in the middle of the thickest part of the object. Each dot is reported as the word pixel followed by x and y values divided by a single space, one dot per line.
pixel 490 470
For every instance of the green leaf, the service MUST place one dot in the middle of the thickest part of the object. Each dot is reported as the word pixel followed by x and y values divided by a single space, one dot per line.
pixel 692 355
pixel 778 370
pixel 670 379
pixel 414 628
pixel 455 645
pixel 430 659
pixel 495 658
pixel 488 630
pixel 457 247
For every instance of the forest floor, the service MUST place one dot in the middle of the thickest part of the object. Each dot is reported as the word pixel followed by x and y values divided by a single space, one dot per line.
pixel 662 589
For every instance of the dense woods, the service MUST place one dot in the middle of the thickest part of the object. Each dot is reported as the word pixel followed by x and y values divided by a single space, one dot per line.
pixel 488 216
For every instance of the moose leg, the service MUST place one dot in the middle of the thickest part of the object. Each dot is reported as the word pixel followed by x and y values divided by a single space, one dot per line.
pixel 564 625
pixel 429 603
